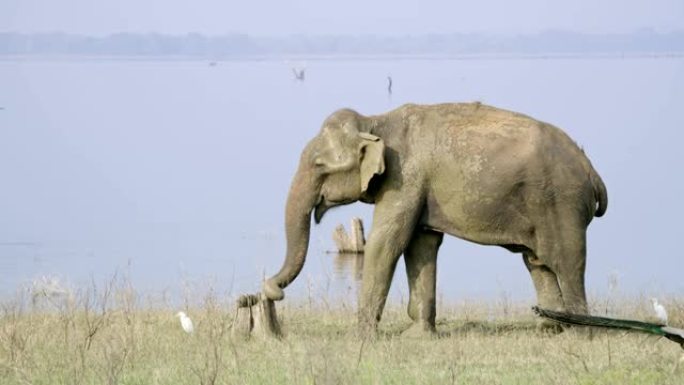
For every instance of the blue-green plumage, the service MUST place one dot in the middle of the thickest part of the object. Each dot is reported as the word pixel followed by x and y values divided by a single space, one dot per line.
pixel 673 334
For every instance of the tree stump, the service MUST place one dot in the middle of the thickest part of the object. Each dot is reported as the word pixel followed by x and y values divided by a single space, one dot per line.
pixel 352 242
pixel 255 317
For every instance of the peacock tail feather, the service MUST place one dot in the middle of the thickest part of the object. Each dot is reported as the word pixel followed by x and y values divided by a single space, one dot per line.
pixel 673 334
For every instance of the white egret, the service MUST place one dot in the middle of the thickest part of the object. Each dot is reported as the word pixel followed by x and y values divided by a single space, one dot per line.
pixel 660 311
pixel 186 322
pixel 51 290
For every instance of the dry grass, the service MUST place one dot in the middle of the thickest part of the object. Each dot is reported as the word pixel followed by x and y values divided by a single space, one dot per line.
pixel 105 336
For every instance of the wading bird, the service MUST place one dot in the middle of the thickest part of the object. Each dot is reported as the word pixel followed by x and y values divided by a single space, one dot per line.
pixel 660 311
pixel 299 74
pixel 186 322
pixel 50 290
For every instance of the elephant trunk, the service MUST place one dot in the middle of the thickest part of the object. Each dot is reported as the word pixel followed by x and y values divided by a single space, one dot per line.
pixel 301 200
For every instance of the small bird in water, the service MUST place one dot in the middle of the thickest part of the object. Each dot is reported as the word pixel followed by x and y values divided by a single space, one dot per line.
pixel 389 85
pixel 660 311
pixel 186 322
pixel 299 73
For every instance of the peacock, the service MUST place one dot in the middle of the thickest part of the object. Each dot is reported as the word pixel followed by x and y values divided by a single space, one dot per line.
pixel 672 334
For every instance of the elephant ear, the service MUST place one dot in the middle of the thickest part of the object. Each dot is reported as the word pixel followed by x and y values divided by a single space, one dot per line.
pixel 372 151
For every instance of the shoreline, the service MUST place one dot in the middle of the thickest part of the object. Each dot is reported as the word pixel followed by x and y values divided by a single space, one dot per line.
pixel 346 57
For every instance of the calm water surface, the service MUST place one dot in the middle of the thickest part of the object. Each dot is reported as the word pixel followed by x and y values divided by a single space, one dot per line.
pixel 176 172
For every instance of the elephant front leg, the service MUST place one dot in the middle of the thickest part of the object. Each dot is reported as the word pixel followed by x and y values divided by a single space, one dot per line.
pixel 421 269
pixel 393 226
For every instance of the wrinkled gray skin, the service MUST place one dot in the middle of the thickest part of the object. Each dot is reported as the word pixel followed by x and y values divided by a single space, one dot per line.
pixel 479 173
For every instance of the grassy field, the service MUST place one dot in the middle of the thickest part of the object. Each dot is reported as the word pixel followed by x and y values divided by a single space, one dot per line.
pixel 108 337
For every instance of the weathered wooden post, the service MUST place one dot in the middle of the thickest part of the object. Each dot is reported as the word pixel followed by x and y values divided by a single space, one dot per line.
pixel 255 316
pixel 266 323
pixel 358 239
pixel 353 242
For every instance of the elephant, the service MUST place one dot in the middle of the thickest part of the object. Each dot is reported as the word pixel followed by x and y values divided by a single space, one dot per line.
pixel 473 171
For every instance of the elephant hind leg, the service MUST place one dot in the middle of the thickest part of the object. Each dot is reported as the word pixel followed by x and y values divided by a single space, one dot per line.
pixel 548 291
pixel 545 283
pixel 566 258
pixel 421 269
pixel 570 272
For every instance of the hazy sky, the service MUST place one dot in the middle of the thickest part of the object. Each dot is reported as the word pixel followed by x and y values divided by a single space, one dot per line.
pixel 348 17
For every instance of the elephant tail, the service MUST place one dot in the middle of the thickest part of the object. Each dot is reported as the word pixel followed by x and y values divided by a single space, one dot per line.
pixel 600 193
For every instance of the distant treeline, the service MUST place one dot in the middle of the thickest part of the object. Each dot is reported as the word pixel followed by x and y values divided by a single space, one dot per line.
pixel 240 45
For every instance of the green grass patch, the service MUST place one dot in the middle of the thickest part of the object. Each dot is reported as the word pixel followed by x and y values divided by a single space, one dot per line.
pixel 107 337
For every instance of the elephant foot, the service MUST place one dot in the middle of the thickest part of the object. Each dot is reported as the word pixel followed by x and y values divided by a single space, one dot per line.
pixel 255 316
pixel 420 330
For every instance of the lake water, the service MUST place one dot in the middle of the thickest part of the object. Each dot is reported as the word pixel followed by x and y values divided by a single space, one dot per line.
pixel 176 172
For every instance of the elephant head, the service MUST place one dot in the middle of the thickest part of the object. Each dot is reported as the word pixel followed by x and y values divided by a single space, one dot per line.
pixel 335 168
